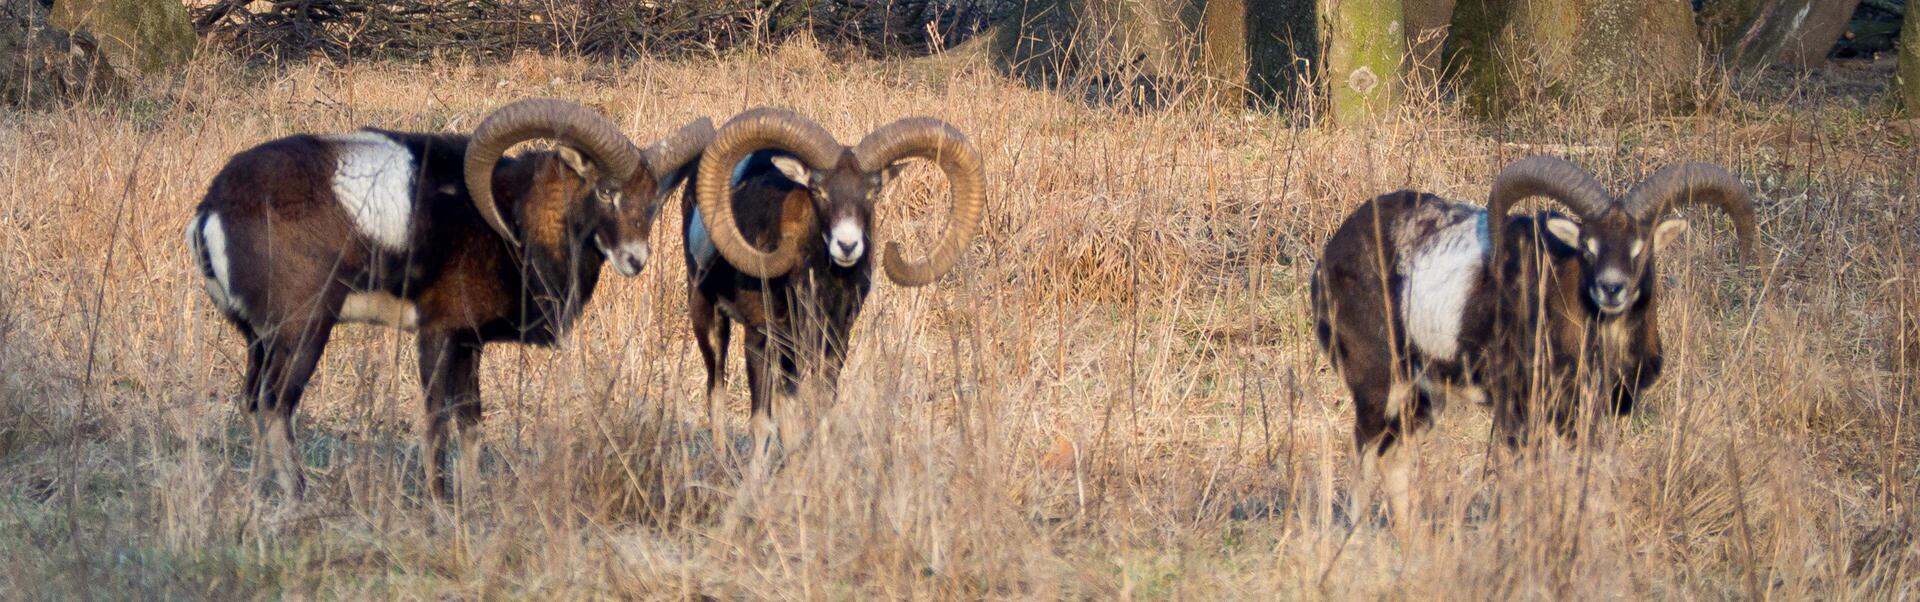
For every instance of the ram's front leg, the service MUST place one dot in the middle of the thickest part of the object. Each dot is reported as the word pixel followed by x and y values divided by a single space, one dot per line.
pixel 450 374
pixel 763 373
pixel 1633 382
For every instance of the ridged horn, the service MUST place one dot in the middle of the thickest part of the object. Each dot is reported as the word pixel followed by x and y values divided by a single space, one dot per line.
pixel 937 141
pixel 536 118
pixel 1549 177
pixel 1683 184
pixel 757 129
pixel 675 151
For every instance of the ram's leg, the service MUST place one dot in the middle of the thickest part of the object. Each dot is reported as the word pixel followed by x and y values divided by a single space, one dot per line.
pixel 290 355
pixel 711 331
pixel 1383 452
pixel 1626 393
pixel 761 378
pixel 1375 428
pixel 253 400
pixel 787 374
pixel 449 376
pixel 464 400
pixel 1396 461
pixel 1509 415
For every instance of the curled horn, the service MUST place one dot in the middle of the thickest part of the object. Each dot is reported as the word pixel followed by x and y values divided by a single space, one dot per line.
pixel 753 130
pixel 535 118
pixel 1553 178
pixel 676 150
pixel 1690 183
pixel 934 140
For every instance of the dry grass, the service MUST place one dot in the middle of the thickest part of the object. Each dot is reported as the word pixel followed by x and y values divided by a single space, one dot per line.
pixel 1115 396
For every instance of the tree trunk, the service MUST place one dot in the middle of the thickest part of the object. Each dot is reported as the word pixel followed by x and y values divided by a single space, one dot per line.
pixel 1283 47
pixel 41 65
pixel 1365 43
pixel 1427 24
pixel 1796 33
pixel 1907 78
pixel 1144 53
pixel 1223 50
pixel 1507 54
pixel 137 35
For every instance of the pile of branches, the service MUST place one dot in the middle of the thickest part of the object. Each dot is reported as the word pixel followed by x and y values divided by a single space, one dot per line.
pixel 358 29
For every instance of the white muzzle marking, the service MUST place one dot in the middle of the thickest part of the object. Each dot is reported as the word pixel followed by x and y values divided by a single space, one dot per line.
pixel 628 259
pixel 846 243
pixel 1610 292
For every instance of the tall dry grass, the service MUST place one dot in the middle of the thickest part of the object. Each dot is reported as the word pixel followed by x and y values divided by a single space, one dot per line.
pixel 1114 396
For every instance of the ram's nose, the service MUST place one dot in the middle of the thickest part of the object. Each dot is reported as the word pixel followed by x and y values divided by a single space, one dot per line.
pixel 846 243
pixel 1612 297
pixel 631 259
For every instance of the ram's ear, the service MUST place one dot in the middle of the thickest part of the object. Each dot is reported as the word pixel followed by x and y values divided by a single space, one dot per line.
pixel 892 170
pixel 791 167
pixel 1566 230
pixel 576 162
pixel 1667 232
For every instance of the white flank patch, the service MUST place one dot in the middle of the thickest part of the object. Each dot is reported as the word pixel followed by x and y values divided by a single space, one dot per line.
pixel 213 244
pixel 1440 275
pixel 374 181
pixel 382 309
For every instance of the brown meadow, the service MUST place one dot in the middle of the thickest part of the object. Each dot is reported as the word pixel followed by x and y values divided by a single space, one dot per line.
pixel 1116 394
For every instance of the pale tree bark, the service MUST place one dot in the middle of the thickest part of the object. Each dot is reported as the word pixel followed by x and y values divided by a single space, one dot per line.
pixel 1907 78
pixel 1794 33
pixel 1151 52
pixel 1223 50
pixel 1365 44
pixel 1508 54
pixel 1427 24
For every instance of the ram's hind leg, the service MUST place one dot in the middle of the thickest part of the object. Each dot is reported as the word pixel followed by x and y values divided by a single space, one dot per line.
pixel 1388 411
pixel 712 332
pixel 278 373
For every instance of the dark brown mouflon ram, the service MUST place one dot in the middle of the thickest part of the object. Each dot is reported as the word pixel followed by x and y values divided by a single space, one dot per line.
pixel 1417 300
pixel 785 253
pixel 434 233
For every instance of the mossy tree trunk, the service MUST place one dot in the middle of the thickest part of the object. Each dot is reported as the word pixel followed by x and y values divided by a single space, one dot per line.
pixel 1366 42
pixel 1907 79
pixel 144 35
